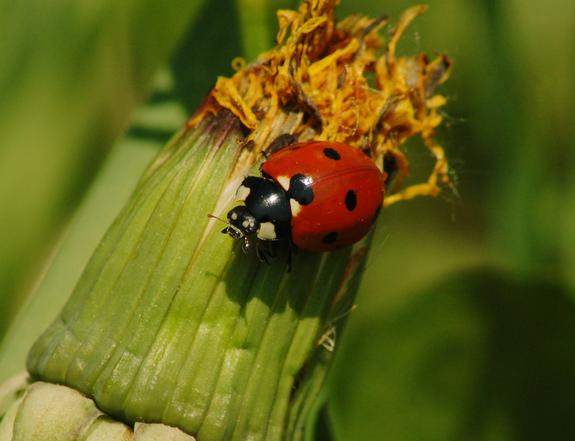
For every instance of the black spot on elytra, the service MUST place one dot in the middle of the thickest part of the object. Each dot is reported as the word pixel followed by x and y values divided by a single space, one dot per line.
pixel 330 237
pixel 350 200
pixel 300 189
pixel 331 154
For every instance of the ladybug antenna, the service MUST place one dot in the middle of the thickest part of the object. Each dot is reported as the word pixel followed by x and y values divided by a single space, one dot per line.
pixel 213 216
pixel 232 230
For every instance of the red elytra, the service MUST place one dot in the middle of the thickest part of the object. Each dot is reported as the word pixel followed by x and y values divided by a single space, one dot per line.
pixel 348 191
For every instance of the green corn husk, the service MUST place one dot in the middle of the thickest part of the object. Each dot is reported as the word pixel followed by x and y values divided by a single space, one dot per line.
pixel 171 323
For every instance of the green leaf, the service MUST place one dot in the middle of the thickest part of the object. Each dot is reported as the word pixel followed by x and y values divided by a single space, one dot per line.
pixel 71 74
pixel 258 24
pixel 7 421
pixel 478 357
pixel 11 390
pixel 152 125
pixel 320 425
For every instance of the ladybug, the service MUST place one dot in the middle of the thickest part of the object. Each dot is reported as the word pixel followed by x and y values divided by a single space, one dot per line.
pixel 319 195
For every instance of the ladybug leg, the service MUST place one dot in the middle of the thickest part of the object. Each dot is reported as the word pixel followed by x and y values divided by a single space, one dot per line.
pixel 272 250
pixel 265 251
pixel 291 251
pixel 279 143
pixel 261 254
pixel 289 260
pixel 246 245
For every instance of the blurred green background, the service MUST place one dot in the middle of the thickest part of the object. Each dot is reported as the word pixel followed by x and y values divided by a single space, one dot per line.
pixel 465 326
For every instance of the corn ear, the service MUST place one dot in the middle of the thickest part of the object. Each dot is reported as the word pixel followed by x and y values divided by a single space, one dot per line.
pixel 171 323
pixel 49 412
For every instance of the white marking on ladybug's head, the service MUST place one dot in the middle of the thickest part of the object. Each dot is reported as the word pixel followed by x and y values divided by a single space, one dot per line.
pixel 249 223
pixel 284 182
pixel 242 193
pixel 267 231
pixel 295 207
pixel 234 216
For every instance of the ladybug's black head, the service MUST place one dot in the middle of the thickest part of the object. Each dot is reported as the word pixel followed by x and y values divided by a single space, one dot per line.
pixel 241 223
